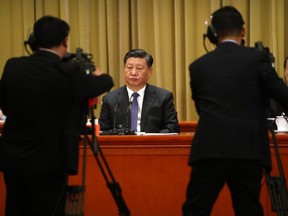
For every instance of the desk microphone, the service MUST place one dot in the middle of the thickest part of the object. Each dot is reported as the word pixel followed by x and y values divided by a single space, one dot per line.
pixel 128 117
pixel 120 130
pixel 128 130
pixel 115 112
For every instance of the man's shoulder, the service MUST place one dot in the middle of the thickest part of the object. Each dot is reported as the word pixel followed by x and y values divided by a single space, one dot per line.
pixel 116 91
pixel 15 63
pixel 18 59
pixel 224 50
pixel 156 89
pixel 37 57
pixel 203 59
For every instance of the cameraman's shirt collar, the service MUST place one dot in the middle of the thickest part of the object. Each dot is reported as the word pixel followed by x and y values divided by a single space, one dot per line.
pixel 229 40
pixel 48 50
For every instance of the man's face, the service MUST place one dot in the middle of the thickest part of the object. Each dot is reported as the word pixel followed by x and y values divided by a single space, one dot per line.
pixel 136 73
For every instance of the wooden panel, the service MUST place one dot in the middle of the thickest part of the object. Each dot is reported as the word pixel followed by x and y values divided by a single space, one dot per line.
pixel 149 170
pixel 153 174
pixel 187 126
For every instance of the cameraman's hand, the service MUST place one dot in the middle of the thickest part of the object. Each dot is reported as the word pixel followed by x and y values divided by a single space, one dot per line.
pixel 97 72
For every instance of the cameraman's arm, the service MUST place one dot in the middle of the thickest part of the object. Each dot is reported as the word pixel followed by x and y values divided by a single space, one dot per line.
pixel 88 85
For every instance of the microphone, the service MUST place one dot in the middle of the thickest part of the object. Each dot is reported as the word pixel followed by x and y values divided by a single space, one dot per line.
pixel 128 116
pixel 115 112
pixel 128 130
pixel 120 130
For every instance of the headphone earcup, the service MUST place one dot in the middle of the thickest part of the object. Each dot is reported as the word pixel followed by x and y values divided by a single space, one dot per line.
pixel 212 35
pixel 32 42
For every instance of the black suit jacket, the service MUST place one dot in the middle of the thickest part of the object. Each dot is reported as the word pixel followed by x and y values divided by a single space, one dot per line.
pixel 229 86
pixel 43 99
pixel 158 112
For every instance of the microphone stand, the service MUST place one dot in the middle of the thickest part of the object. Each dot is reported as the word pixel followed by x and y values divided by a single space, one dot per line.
pixel 112 184
pixel 277 184
pixel 120 130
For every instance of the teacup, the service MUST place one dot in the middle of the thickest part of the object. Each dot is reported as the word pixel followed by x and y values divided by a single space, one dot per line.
pixel 281 122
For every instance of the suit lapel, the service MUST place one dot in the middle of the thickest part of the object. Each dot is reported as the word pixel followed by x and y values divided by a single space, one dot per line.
pixel 149 98
pixel 122 99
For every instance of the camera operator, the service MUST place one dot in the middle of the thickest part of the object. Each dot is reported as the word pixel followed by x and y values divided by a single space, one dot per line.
pixel 44 100
pixel 231 144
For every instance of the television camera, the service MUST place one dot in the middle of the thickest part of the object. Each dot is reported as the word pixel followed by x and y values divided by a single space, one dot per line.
pixel 84 60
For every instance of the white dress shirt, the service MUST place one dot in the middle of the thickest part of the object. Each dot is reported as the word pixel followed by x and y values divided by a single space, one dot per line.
pixel 140 99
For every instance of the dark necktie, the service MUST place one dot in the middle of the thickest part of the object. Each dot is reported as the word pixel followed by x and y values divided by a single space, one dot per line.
pixel 134 111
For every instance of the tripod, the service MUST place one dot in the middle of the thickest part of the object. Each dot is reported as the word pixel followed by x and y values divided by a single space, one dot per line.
pixel 277 184
pixel 75 194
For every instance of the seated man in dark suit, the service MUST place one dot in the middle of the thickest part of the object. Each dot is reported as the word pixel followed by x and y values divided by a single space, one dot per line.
pixel 155 112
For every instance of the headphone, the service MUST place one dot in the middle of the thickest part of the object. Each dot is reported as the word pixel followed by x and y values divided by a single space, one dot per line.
pixel 31 42
pixel 211 34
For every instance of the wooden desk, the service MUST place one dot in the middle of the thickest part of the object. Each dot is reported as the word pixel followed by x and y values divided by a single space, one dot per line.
pixel 151 171
pixel 153 174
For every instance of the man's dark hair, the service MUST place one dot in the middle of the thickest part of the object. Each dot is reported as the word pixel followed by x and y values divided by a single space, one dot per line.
pixel 50 31
pixel 139 53
pixel 227 21
pixel 285 62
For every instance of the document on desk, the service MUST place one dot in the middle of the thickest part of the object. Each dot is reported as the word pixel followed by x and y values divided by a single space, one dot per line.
pixel 154 134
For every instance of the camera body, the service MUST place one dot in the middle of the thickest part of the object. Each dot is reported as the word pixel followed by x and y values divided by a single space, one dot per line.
pixel 260 47
pixel 84 60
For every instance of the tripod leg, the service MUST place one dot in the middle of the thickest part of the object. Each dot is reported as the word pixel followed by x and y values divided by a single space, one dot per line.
pixel 113 186
pixel 277 184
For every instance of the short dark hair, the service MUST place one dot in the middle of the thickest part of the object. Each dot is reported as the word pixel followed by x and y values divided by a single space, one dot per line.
pixel 227 20
pixel 285 62
pixel 50 31
pixel 139 53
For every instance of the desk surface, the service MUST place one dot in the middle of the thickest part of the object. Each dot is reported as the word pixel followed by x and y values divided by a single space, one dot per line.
pixel 182 139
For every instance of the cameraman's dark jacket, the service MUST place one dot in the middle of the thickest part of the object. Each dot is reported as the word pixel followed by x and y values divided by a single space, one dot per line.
pixel 43 99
